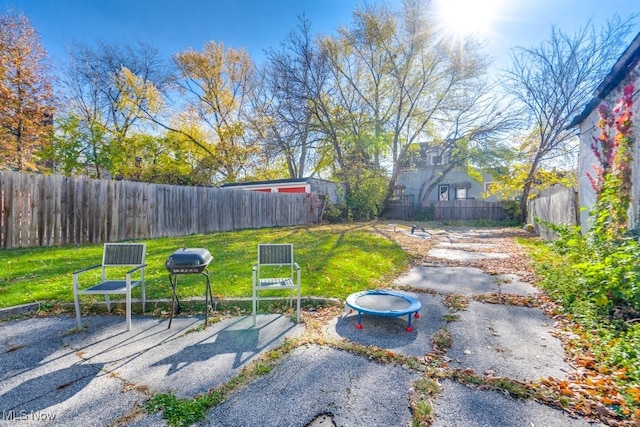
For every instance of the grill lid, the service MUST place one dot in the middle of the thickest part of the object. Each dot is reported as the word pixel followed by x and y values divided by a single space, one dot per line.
pixel 188 260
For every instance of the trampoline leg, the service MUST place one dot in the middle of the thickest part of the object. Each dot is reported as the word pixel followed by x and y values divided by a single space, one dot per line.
pixel 409 328
pixel 359 325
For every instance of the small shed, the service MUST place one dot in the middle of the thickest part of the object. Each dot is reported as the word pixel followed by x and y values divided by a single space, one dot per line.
pixel 333 191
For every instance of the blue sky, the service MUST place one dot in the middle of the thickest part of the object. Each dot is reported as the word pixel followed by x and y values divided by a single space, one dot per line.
pixel 176 25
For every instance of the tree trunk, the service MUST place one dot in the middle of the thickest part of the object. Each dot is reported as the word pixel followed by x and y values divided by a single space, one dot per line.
pixel 527 189
pixel 430 184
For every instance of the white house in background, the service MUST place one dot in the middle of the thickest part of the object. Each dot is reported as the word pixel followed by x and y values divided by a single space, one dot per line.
pixel 330 189
pixel 626 70
pixel 455 185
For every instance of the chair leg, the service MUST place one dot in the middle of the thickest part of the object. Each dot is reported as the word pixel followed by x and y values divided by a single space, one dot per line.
pixel 298 307
pixel 108 300
pixel 128 309
pixel 254 305
pixel 144 299
pixel 77 303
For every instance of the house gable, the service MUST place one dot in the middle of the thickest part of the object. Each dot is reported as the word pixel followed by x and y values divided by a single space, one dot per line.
pixel 425 167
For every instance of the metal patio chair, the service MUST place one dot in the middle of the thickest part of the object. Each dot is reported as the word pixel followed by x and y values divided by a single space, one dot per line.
pixel 276 269
pixel 114 280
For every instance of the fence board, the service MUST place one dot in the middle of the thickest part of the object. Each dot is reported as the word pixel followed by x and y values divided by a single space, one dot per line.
pixel 7 213
pixel 44 212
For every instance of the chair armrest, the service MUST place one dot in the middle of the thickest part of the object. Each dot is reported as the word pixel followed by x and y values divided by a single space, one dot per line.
pixel 255 267
pixel 93 267
pixel 133 270
pixel 297 267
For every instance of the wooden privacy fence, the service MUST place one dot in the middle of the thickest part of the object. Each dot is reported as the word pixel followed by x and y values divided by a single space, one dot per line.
pixel 401 208
pixel 469 210
pixel 51 210
pixel 557 205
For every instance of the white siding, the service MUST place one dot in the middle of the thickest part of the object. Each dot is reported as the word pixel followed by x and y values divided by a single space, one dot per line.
pixel 588 130
pixel 412 180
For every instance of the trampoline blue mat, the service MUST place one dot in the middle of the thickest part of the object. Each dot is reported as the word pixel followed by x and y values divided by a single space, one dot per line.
pixel 383 303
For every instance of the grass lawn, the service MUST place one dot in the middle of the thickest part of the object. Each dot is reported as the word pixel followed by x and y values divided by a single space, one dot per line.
pixel 336 260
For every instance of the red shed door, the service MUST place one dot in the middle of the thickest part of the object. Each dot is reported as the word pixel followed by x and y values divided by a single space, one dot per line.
pixel 292 190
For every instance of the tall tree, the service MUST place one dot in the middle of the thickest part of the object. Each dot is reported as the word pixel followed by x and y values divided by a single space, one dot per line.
pixel 26 94
pixel 285 101
pixel 554 81
pixel 399 82
pixel 111 89
pixel 219 84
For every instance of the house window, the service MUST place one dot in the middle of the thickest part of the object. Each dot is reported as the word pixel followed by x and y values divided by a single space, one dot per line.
pixel 436 160
pixel 443 192
pixel 461 193
pixel 398 192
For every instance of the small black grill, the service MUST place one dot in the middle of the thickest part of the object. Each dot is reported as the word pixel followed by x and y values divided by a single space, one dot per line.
pixel 188 261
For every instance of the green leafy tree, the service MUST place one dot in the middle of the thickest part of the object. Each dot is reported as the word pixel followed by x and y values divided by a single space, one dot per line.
pixel 366 199
pixel 512 169
pixel 67 145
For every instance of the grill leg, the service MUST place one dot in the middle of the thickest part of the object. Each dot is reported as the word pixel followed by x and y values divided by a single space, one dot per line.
pixel 207 297
pixel 173 279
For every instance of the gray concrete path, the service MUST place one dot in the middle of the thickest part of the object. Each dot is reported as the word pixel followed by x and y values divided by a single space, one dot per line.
pixel 102 376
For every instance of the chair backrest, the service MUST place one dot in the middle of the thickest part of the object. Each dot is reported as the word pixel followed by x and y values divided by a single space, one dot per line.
pixel 275 254
pixel 123 254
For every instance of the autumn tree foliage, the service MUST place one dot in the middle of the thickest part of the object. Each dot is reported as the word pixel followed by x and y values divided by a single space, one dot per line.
pixel 218 84
pixel 26 94
pixel 111 89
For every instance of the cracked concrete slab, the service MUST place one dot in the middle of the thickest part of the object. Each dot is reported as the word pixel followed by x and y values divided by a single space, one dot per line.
pixel 95 377
pixel 316 380
pixel 464 256
pixel 98 375
pixel 450 280
pixel 185 359
pixel 463 406
pixel 514 285
pixel 42 379
pixel 466 245
pixel 510 341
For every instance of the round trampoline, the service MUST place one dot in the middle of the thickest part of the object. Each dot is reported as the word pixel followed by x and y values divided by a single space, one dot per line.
pixel 384 303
